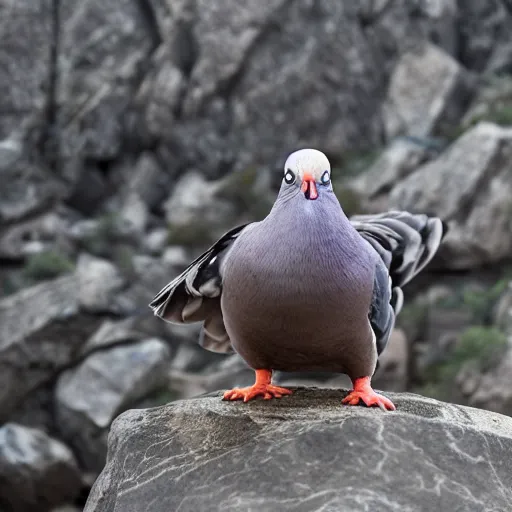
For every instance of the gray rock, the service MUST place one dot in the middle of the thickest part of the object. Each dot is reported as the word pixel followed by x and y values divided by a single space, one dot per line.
pixel 428 93
pixel 146 274
pixel 148 180
pixel 397 161
pixel 11 151
pixel 46 232
pixel 84 229
pixel 187 358
pixel 149 270
pixel 393 371
pixel 492 390
pixel 187 384
pixel 89 396
pixel 161 92
pixel 41 332
pixel 89 185
pixel 400 24
pixel 194 211
pixel 111 333
pixel 306 452
pixel 198 80
pixel 175 256
pixel 492 102
pixel 103 48
pixel 35 410
pixel 133 217
pixel 503 311
pixel 469 186
pixel 468 379
pixel 186 333
pixel 27 189
pixel 36 471
pixel 195 371
pixel 235 85
pixel 156 240
pixel 27 37
pixel 486 41
pixel 100 283
pixel 194 200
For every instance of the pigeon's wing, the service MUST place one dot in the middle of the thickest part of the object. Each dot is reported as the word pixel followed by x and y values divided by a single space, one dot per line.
pixel 386 304
pixel 194 295
pixel 406 243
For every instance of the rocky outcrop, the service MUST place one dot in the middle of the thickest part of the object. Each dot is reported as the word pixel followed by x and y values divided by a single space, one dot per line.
pixel 306 452
pixel 188 80
pixel 133 133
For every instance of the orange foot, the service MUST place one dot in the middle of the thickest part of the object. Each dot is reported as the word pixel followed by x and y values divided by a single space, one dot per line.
pixel 262 387
pixel 363 391
pixel 267 392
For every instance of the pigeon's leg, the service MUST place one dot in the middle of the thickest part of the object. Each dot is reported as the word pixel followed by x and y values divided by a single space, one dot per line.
pixel 363 391
pixel 262 387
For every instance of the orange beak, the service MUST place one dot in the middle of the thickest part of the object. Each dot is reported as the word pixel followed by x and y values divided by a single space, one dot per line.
pixel 309 186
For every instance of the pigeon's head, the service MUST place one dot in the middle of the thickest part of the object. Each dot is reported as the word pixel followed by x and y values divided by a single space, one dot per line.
pixel 307 170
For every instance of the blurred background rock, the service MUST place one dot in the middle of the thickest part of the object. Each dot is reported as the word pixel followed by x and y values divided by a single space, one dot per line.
pixel 134 132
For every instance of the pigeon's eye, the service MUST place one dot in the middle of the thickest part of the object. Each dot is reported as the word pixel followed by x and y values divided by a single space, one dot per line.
pixel 289 177
pixel 326 178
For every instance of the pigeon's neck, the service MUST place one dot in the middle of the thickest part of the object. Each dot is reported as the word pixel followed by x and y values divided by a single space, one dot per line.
pixel 295 212
pixel 310 229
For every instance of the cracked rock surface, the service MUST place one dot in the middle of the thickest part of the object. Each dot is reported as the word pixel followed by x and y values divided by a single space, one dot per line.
pixel 306 453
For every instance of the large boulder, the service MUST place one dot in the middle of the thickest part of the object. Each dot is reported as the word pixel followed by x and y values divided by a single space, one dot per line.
pixel 37 472
pixel 428 92
pixel 89 396
pixel 41 330
pixel 469 186
pixel 306 452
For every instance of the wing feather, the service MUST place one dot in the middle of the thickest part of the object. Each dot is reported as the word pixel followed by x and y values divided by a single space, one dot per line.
pixel 405 243
pixel 194 295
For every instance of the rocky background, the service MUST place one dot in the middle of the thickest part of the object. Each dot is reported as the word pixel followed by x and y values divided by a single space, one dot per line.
pixel 134 132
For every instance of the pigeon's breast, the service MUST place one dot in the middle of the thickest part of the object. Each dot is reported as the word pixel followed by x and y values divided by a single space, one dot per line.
pixel 296 298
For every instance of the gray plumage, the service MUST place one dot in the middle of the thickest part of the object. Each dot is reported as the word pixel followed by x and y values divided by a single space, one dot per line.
pixel 305 289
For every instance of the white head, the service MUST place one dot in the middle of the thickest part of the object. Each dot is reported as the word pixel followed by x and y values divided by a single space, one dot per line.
pixel 307 169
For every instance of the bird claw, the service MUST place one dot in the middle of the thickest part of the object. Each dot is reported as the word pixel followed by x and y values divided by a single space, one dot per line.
pixel 267 391
pixel 369 398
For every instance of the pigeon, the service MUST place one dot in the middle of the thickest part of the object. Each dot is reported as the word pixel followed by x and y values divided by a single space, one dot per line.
pixel 306 288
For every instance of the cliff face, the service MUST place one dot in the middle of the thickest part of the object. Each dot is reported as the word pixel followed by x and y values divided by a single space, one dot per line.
pixel 135 132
